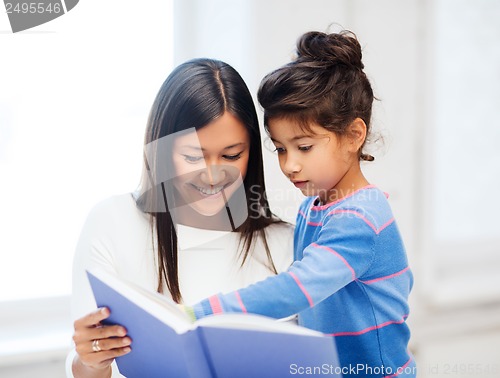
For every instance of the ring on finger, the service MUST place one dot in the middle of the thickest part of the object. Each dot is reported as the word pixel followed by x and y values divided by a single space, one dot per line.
pixel 95 346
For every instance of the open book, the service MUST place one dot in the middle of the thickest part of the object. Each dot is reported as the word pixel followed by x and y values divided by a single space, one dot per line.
pixel 166 343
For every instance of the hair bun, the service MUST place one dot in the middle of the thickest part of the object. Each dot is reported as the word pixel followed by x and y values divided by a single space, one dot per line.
pixel 332 49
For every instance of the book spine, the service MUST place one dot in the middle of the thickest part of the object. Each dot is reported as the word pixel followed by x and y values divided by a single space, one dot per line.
pixel 196 358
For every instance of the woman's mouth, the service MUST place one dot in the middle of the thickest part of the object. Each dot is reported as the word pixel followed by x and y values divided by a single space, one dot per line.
pixel 208 191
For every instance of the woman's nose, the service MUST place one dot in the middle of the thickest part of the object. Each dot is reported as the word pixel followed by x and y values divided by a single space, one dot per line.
pixel 212 175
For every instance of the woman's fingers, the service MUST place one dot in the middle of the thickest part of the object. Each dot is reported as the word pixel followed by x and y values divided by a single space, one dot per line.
pixel 109 344
pixel 96 344
pixel 93 319
pixel 102 360
pixel 89 327
pixel 98 332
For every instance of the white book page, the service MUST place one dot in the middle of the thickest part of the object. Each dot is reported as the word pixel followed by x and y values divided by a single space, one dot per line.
pixel 165 310
pixel 254 322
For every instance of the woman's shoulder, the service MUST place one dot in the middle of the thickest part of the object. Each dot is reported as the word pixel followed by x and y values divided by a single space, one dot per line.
pixel 116 204
pixel 113 210
pixel 114 227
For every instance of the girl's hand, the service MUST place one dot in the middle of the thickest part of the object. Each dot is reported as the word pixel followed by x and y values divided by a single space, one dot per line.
pixel 97 345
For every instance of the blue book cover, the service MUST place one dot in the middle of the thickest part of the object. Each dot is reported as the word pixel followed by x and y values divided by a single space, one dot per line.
pixel 166 343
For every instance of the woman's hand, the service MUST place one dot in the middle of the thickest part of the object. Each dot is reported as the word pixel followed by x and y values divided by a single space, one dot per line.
pixel 97 345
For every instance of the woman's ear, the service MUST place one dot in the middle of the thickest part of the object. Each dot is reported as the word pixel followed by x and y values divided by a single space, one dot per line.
pixel 356 133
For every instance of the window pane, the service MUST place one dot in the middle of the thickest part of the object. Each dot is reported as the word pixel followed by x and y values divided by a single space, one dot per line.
pixel 460 241
pixel 74 99
pixel 467 157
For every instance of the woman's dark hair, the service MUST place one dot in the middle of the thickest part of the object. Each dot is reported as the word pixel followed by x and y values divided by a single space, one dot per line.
pixel 196 93
pixel 325 84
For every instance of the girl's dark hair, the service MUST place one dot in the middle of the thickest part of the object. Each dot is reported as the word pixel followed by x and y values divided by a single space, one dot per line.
pixel 325 84
pixel 196 93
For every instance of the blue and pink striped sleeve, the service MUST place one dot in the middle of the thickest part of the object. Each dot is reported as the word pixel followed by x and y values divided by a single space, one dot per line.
pixel 342 253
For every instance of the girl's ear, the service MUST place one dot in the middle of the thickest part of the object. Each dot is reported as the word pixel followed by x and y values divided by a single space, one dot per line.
pixel 356 133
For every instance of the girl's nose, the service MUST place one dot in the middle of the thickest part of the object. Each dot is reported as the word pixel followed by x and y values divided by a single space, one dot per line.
pixel 291 165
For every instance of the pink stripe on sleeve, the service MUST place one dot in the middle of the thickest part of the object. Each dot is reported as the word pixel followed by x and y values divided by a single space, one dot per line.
pixel 385 277
pixel 378 326
pixel 299 284
pixel 339 256
pixel 240 301
pixel 361 216
pixel 385 225
pixel 215 304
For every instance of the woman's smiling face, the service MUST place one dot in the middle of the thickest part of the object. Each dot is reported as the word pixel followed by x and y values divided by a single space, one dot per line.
pixel 211 163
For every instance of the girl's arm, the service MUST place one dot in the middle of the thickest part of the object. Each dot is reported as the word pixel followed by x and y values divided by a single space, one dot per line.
pixel 342 252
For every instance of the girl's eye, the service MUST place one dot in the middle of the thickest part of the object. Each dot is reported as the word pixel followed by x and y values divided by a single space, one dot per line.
pixel 192 159
pixel 232 157
pixel 305 148
pixel 279 150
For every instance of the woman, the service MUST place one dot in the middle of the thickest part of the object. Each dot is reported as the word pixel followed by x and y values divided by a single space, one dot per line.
pixel 199 223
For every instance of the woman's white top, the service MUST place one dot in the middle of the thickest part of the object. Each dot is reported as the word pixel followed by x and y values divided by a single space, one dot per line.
pixel 117 236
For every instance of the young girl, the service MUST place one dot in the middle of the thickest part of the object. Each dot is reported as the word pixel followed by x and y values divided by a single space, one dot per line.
pixel 351 277
pixel 202 150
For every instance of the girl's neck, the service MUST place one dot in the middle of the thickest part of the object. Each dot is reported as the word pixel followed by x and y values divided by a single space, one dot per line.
pixel 352 181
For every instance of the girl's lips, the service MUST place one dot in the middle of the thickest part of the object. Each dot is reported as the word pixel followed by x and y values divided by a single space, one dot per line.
pixel 300 184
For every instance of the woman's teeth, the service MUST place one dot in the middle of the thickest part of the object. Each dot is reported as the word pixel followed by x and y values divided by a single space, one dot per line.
pixel 209 191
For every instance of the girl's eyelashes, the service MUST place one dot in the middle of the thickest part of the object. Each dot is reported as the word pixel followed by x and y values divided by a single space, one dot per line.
pixel 281 150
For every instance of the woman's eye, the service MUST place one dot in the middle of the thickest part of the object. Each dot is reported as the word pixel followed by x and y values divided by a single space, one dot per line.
pixel 279 150
pixel 305 148
pixel 232 157
pixel 192 159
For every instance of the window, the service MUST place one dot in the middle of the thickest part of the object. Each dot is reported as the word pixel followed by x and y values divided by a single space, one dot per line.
pixel 462 157
pixel 74 100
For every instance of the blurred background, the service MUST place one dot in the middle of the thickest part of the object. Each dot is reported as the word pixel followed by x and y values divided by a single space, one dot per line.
pixel 75 95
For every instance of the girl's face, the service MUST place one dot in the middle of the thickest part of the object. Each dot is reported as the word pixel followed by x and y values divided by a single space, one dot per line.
pixel 211 163
pixel 319 162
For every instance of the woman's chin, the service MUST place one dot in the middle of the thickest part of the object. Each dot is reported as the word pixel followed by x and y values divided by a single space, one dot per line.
pixel 208 207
